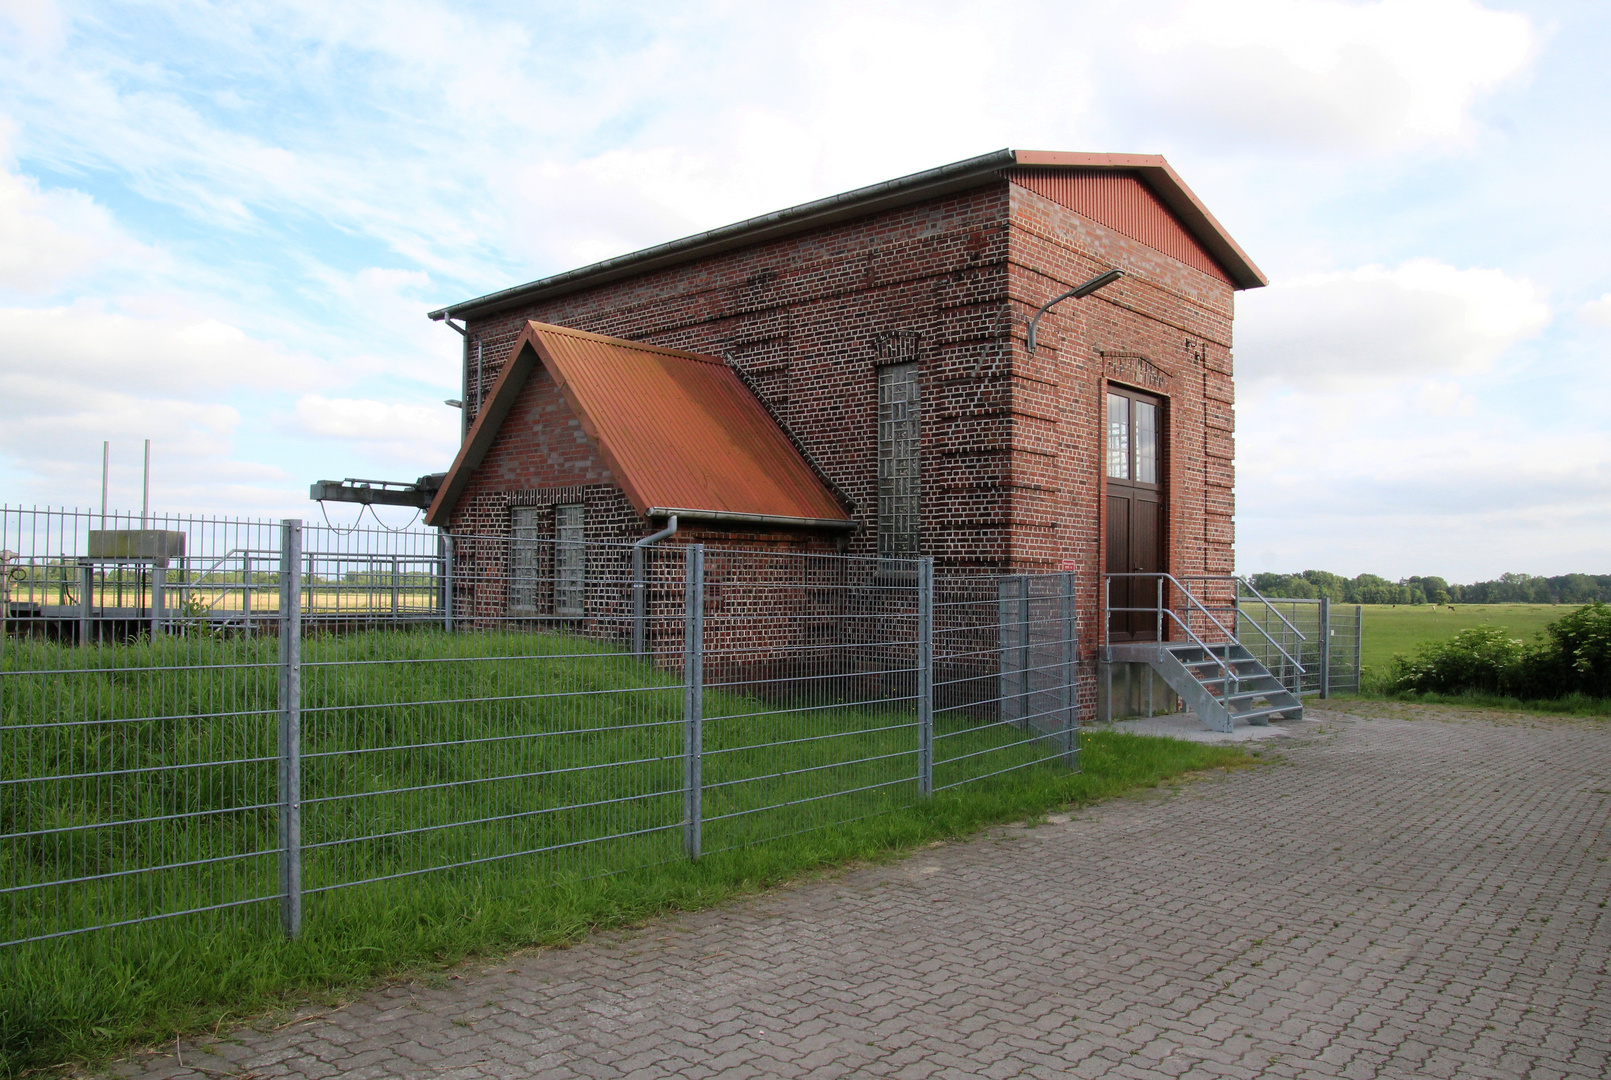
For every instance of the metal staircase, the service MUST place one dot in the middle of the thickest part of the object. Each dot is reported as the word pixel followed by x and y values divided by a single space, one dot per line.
pixel 1203 660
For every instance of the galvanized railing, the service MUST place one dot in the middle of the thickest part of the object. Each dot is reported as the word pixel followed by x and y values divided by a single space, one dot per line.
pixel 502 721
pixel 1161 610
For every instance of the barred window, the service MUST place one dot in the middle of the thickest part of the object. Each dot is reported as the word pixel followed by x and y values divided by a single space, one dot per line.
pixel 570 560
pixel 525 558
pixel 898 440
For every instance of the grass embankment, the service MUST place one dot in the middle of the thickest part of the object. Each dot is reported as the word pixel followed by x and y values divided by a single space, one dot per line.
pixel 537 763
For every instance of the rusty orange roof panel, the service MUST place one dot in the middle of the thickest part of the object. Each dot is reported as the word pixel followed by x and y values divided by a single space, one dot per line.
pixel 680 431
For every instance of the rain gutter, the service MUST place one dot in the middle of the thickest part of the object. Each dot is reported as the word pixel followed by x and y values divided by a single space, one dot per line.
pixel 751 519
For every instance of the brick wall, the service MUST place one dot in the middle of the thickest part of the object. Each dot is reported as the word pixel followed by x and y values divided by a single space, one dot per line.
pixel 1011 475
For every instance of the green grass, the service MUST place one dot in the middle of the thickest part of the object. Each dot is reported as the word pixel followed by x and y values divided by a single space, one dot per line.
pixel 1391 630
pixel 79 997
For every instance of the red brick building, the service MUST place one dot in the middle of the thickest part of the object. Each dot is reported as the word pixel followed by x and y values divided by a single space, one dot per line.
pixel 884 332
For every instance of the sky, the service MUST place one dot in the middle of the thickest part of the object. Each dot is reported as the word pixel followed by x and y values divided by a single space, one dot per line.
pixel 221 226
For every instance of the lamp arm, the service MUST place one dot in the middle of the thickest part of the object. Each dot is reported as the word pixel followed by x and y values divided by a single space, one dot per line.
pixel 1078 292
pixel 1044 309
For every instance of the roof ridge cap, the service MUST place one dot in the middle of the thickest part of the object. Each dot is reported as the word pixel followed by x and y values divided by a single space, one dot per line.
pixel 627 343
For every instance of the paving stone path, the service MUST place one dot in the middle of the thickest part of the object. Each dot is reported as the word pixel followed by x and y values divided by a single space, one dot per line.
pixel 1391 897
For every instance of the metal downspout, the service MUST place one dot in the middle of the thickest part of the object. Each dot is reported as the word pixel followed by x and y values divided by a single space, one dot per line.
pixel 640 600
pixel 464 382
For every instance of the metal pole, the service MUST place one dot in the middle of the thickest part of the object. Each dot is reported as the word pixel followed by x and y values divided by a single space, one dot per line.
pixel 446 542
pixel 145 497
pixel 106 467
pixel 1359 648
pixel 1071 723
pixel 1325 647
pixel 159 603
pixel 86 583
pixel 396 595
pixel 1157 633
pixel 1023 651
pixel 246 592
pixel 925 676
pixel 640 606
pixel 1106 656
pixel 290 732
pixel 693 709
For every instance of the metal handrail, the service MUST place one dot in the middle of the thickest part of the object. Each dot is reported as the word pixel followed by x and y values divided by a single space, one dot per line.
pixel 1230 677
pixel 1231 680
pixel 1256 595
pixel 1260 597
pixel 1187 593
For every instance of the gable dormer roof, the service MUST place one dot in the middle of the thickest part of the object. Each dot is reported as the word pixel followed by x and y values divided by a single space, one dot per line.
pixel 681 432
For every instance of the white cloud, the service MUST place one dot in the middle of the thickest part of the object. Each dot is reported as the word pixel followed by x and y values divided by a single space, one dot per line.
pixel 1421 319
pixel 87 345
pixel 407 434
pixel 1325 74
pixel 1597 311
pixel 37 22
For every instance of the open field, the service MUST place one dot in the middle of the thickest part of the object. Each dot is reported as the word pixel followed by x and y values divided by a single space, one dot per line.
pixel 497 753
pixel 1390 630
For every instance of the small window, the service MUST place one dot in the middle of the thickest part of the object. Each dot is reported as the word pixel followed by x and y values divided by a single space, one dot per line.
pixel 570 561
pixel 526 550
pixel 1146 425
pixel 1135 438
pixel 899 435
pixel 1118 437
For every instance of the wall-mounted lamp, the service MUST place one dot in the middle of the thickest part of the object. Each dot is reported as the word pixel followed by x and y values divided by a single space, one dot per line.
pixel 453 401
pixel 1076 293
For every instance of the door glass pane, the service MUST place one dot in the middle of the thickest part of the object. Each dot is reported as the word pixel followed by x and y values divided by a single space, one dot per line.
pixel 1146 443
pixel 525 558
pixel 1118 437
pixel 570 562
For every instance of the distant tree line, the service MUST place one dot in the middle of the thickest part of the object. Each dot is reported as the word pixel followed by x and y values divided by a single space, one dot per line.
pixel 1370 589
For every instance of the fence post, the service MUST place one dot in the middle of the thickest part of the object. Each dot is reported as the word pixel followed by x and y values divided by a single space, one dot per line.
pixel 925 676
pixel 86 585
pixel 159 597
pixel 1106 657
pixel 1071 720
pixel 640 603
pixel 693 708
pixel 445 542
pixel 290 733
pixel 1325 647
pixel 1023 652
pixel 1359 649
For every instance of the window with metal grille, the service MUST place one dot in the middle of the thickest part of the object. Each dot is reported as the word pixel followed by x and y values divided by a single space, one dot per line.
pixel 898 441
pixel 570 560
pixel 526 550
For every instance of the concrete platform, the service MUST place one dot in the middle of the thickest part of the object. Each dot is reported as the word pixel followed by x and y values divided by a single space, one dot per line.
pixel 1187 726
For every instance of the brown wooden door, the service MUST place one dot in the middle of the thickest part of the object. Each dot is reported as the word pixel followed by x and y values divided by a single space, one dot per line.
pixel 1134 466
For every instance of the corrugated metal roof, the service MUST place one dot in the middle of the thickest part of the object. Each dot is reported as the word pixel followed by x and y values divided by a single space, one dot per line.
pixel 680 431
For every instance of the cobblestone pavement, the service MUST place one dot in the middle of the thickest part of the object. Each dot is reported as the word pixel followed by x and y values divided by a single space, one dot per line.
pixel 1391 897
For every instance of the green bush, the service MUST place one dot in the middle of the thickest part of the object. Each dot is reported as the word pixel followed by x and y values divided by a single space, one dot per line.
pixel 1581 647
pixel 1485 659
pixel 1572 656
